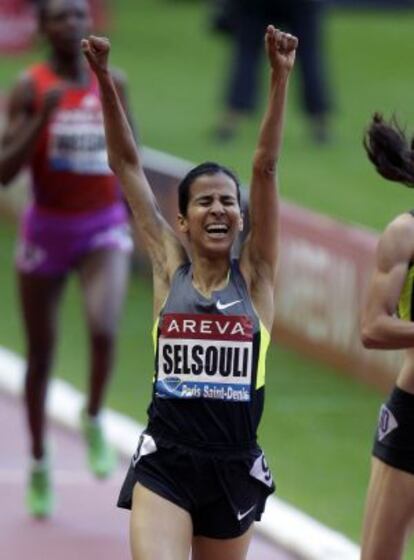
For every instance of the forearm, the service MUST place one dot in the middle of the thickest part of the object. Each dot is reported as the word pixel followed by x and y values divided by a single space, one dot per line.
pixel 17 151
pixel 388 333
pixel 122 150
pixel 271 130
pixel 264 199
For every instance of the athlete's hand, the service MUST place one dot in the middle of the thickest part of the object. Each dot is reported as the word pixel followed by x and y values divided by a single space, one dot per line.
pixel 96 51
pixel 281 49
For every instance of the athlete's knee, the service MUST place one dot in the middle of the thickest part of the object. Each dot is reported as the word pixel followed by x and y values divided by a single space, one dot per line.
pixel 103 341
pixel 103 322
pixel 103 335
pixel 39 364
pixel 155 550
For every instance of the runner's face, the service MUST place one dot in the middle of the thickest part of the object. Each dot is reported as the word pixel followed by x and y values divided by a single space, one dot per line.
pixel 65 23
pixel 213 217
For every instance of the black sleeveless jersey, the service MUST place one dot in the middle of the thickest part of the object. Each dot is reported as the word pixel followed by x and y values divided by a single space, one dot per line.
pixel 209 364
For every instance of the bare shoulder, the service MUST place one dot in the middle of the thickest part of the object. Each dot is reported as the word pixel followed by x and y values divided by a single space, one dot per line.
pixel 22 93
pixel 402 221
pixel 397 241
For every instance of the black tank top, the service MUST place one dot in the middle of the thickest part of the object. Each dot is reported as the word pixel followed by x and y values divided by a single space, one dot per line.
pixel 209 364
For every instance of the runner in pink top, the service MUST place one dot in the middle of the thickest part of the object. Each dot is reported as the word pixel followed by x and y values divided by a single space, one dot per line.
pixel 76 222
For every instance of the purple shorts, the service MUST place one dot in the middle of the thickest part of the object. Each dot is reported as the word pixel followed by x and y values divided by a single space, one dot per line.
pixel 53 244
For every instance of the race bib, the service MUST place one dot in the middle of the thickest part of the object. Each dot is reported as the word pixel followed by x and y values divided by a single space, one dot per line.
pixel 77 140
pixel 205 356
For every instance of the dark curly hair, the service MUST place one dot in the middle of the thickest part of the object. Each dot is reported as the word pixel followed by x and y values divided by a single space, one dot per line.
pixel 390 150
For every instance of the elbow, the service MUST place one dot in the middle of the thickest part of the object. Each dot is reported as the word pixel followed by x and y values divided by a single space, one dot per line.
pixel 368 341
pixel 370 337
pixel 116 165
pixel 9 168
pixel 264 164
pixel 119 163
pixel 113 164
pixel 5 176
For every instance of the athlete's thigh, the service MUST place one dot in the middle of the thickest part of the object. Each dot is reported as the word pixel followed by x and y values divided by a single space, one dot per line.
pixel 205 548
pixel 103 278
pixel 39 297
pixel 389 511
pixel 159 529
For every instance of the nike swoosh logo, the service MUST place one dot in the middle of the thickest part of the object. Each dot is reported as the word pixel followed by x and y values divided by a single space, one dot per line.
pixel 241 516
pixel 222 306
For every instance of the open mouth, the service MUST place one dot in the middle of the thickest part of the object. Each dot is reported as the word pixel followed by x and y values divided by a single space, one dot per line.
pixel 217 230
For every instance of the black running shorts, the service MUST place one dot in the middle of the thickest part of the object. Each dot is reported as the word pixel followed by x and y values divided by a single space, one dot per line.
pixel 394 440
pixel 223 491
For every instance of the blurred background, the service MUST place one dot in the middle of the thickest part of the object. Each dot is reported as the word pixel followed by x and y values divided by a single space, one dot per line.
pixel 319 422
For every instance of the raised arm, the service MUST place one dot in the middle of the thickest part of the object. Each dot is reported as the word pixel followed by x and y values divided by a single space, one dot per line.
pixel 23 125
pixel 380 327
pixel 121 85
pixel 163 246
pixel 260 252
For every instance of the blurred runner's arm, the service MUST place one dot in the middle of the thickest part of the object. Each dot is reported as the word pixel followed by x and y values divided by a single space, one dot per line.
pixel 22 127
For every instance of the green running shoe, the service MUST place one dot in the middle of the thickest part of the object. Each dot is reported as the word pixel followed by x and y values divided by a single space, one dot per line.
pixel 101 457
pixel 39 494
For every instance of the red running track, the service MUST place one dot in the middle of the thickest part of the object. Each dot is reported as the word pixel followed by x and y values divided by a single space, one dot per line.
pixel 86 523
